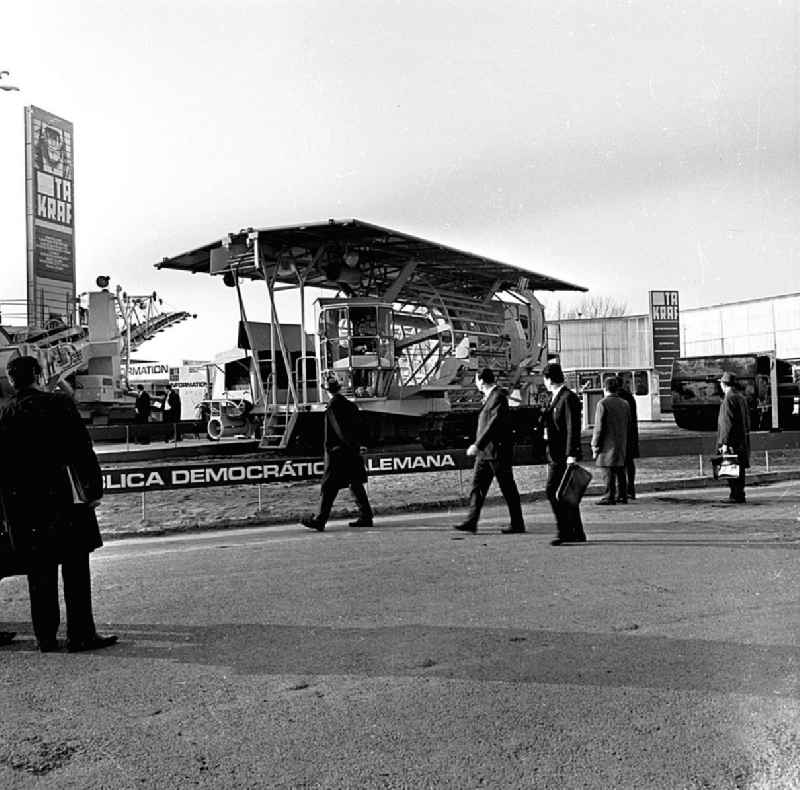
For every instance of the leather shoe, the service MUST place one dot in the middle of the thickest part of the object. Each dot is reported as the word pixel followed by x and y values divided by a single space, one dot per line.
pixel 466 527
pixel 622 501
pixel 7 637
pixel 605 501
pixel 47 645
pixel 512 531
pixel 96 642
pixel 361 523
pixel 312 523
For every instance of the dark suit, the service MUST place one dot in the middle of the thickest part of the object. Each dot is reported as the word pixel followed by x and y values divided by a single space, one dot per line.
pixel 495 443
pixel 142 407
pixel 173 413
pixel 610 441
pixel 46 528
pixel 632 451
pixel 562 420
pixel 344 466
pixel 733 429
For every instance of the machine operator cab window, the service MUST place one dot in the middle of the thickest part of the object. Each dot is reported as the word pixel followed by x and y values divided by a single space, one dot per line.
pixel 357 345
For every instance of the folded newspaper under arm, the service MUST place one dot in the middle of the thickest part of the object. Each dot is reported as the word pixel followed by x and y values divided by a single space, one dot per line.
pixel 573 485
pixel 725 465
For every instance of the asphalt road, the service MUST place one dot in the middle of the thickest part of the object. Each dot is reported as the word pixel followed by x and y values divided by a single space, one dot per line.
pixel 664 653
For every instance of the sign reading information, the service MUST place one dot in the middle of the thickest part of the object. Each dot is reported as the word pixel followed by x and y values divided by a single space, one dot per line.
pixel 666 336
pixel 49 157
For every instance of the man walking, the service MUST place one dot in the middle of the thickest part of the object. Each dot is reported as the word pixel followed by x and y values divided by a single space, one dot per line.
pixel 733 433
pixel 562 422
pixel 610 442
pixel 632 449
pixel 344 465
pixel 493 450
pixel 48 488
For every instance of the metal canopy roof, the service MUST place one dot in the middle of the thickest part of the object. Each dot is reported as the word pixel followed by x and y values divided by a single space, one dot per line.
pixel 382 253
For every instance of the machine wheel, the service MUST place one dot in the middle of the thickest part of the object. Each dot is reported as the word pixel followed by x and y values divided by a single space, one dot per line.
pixel 215 429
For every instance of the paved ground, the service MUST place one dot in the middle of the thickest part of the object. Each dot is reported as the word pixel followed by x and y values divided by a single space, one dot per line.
pixel 665 653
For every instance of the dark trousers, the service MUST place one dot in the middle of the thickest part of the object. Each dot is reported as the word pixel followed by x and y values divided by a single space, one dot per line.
pixel 616 484
pixel 328 497
pixel 736 485
pixel 568 517
pixel 485 471
pixel 630 471
pixel 43 588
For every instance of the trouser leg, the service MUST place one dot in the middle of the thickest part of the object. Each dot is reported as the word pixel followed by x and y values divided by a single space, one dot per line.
pixel 43 589
pixel 736 485
pixel 508 487
pixel 622 484
pixel 555 473
pixel 78 598
pixel 360 495
pixel 481 480
pixel 630 468
pixel 611 484
pixel 327 498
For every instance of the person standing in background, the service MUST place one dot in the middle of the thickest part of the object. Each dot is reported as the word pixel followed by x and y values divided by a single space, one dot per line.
pixel 733 433
pixel 172 412
pixel 562 424
pixel 610 442
pixel 632 450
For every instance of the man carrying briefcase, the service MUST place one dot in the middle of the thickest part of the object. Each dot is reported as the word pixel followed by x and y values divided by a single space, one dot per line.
pixel 562 420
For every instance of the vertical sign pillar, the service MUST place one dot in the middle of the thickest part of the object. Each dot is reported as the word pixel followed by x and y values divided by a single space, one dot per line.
pixel 50 212
pixel 666 339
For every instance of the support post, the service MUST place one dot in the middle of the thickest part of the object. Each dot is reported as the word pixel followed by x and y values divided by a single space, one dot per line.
pixel 303 349
pixel 127 438
pixel 259 497
pixel 700 459
pixel 144 510
pixel 460 481
pixel 766 459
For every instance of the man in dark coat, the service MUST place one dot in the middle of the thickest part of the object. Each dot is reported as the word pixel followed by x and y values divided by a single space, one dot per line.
pixel 493 450
pixel 143 408
pixel 562 422
pixel 172 412
pixel 49 484
pixel 610 442
pixel 344 464
pixel 733 433
pixel 632 450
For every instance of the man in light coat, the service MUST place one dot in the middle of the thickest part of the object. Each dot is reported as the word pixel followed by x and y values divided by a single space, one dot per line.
pixel 733 433
pixel 610 442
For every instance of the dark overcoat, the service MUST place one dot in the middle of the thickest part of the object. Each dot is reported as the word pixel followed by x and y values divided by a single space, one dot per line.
pixel 143 406
pixel 344 436
pixel 562 419
pixel 733 425
pixel 633 425
pixel 494 437
pixel 173 413
pixel 610 437
pixel 41 436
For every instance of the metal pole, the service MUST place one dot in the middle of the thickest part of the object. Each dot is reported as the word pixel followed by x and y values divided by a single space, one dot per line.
pixel 259 497
pixel 303 349
pixel 701 464
pixel 127 438
pixel 144 511
pixel 460 481
pixel 766 459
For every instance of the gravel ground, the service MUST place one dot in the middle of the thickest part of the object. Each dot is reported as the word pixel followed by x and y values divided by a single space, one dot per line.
pixel 122 513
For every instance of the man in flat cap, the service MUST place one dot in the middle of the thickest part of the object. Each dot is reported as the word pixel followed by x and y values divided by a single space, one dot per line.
pixel 733 432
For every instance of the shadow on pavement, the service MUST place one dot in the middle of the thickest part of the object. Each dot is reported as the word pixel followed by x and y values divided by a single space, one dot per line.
pixel 628 658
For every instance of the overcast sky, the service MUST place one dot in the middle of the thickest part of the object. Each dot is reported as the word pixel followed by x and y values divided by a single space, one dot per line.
pixel 624 146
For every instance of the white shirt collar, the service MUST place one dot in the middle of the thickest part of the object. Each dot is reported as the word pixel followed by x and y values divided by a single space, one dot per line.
pixel 489 392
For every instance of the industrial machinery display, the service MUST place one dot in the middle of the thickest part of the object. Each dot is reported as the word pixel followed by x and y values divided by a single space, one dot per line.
pixel 86 357
pixel 767 383
pixel 404 326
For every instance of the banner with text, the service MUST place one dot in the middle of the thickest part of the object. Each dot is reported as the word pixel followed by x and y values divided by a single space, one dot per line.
pixel 49 180
pixel 666 337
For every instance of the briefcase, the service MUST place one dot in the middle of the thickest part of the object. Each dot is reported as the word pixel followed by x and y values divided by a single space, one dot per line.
pixel 573 485
pixel 725 466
